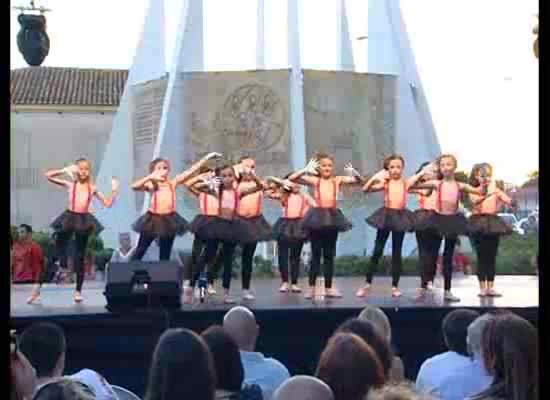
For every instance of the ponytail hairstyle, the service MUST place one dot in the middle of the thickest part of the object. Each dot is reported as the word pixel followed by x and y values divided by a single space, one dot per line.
pixel 152 166
pixel 392 157
pixel 476 169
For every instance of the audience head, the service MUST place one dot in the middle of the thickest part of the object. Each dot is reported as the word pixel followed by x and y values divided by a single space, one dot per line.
pixel 380 320
pixel 240 324
pixel 302 387
pixel 22 374
pixel 511 355
pixel 124 240
pixel 182 368
pixel 368 332
pixel 474 335
pixel 44 346
pixel 227 359
pixel 455 328
pixel 399 391
pixel 64 389
pixel 350 367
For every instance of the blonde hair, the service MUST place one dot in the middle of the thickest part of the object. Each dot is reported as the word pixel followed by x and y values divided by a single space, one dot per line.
pixel 379 319
pixel 399 391
pixel 65 388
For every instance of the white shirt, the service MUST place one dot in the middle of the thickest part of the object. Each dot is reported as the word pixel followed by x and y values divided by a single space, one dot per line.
pixel 451 376
pixel 267 373
pixel 118 257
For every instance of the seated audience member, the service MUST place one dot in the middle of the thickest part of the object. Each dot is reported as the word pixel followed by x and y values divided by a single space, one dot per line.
pixel 302 387
pixel 368 332
pixel 268 373
pixel 22 374
pixel 181 368
pixel 439 375
pixel 400 391
pixel 44 345
pixel 125 249
pixel 509 345
pixel 350 367
pixel 380 320
pixel 64 389
pixel 228 366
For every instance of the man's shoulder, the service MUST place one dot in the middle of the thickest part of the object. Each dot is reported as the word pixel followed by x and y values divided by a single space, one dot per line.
pixel 276 365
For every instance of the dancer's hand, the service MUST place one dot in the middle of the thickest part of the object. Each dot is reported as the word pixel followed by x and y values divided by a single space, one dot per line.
pixel 312 167
pixel 287 185
pixel 155 176
pixel 213 183
pixel 431 169
pixel 114 184
pixel 71 170
pixel 382 175
pixel 245 171
pixel 352 172
pixel 212 156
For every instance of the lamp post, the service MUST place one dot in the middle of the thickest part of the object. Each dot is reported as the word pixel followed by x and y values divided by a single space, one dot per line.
pixel 32 40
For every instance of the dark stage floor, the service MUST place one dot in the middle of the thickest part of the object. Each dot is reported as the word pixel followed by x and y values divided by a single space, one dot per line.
pixel 518 292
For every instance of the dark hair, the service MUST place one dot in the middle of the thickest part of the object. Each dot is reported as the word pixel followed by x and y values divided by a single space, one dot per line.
pixel 26 227
pixel 472 180
pixel 43 343
pixel 367 331
pixel 350 367
pixel 392 157
pixel 64 389
pixel 455 329
pixel 227 359
pixel 154 163
pixel 181 350
pixel 320 155
pixel 510 350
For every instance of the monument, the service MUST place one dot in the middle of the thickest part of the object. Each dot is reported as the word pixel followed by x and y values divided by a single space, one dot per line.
pixel 280 117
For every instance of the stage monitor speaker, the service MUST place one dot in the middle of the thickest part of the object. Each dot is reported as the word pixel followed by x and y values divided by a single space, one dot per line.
pixel 139 285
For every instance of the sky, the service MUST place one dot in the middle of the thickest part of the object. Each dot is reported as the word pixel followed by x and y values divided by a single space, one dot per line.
pixel 474 57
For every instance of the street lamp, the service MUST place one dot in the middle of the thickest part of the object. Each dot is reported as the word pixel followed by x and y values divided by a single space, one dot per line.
pixel 32 40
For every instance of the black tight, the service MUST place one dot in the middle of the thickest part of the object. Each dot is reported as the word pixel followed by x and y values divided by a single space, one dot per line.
pixel 165 247
pixel 62 243
pixel 292 251
pixel 486 247
pixel 382 236
pixel 210 256
pixel 246 263
pixel 428 252
pixel 323 243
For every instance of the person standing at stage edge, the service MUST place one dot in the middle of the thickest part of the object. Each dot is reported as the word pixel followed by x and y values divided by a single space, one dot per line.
pixel 27 259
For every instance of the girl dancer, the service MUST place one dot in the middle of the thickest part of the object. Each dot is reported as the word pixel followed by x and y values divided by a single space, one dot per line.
pixel 486 227
pixel 323 221
pixel 288 230
pixel 447 220
pixel 393 218
pixel 220 227
pixel 76 219
pixel 161 220
pixel 249 214
pixel 425 233
pixel 207 211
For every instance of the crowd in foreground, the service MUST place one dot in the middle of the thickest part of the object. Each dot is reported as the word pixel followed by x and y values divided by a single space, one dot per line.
pixel 488 357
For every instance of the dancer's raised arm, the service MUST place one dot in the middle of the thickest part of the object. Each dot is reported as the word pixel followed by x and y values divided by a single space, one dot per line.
pixel 185 175
pixel 259 184
pixel 301 177
pixel 376 182
pixel 52 175
pixel 108 201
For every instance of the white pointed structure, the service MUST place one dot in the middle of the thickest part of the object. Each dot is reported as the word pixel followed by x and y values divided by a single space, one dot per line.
pixel 297 119
pixel 389 52
pixel 260 35
pixel 344 49
pixel 188 56
pixel 148 63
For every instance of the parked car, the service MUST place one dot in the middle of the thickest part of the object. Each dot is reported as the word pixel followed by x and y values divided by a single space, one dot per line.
pixel 511 220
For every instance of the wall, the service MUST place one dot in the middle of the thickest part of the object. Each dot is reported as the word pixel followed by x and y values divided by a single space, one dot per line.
pixel 46 140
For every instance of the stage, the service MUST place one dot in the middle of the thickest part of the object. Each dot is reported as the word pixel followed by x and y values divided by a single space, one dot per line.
pixel 293 329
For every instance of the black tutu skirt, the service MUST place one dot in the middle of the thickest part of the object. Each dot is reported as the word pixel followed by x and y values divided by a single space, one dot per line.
pixel 161 225
pixel 253 230
pixel 422 220
pixel 449 225
pixel 318 219
pixel 488 224
pixel 70 221
pixel 392 220
pixel 289 230
pixel 215 228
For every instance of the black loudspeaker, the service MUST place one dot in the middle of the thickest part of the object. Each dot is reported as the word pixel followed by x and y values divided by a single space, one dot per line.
pixel 138 285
